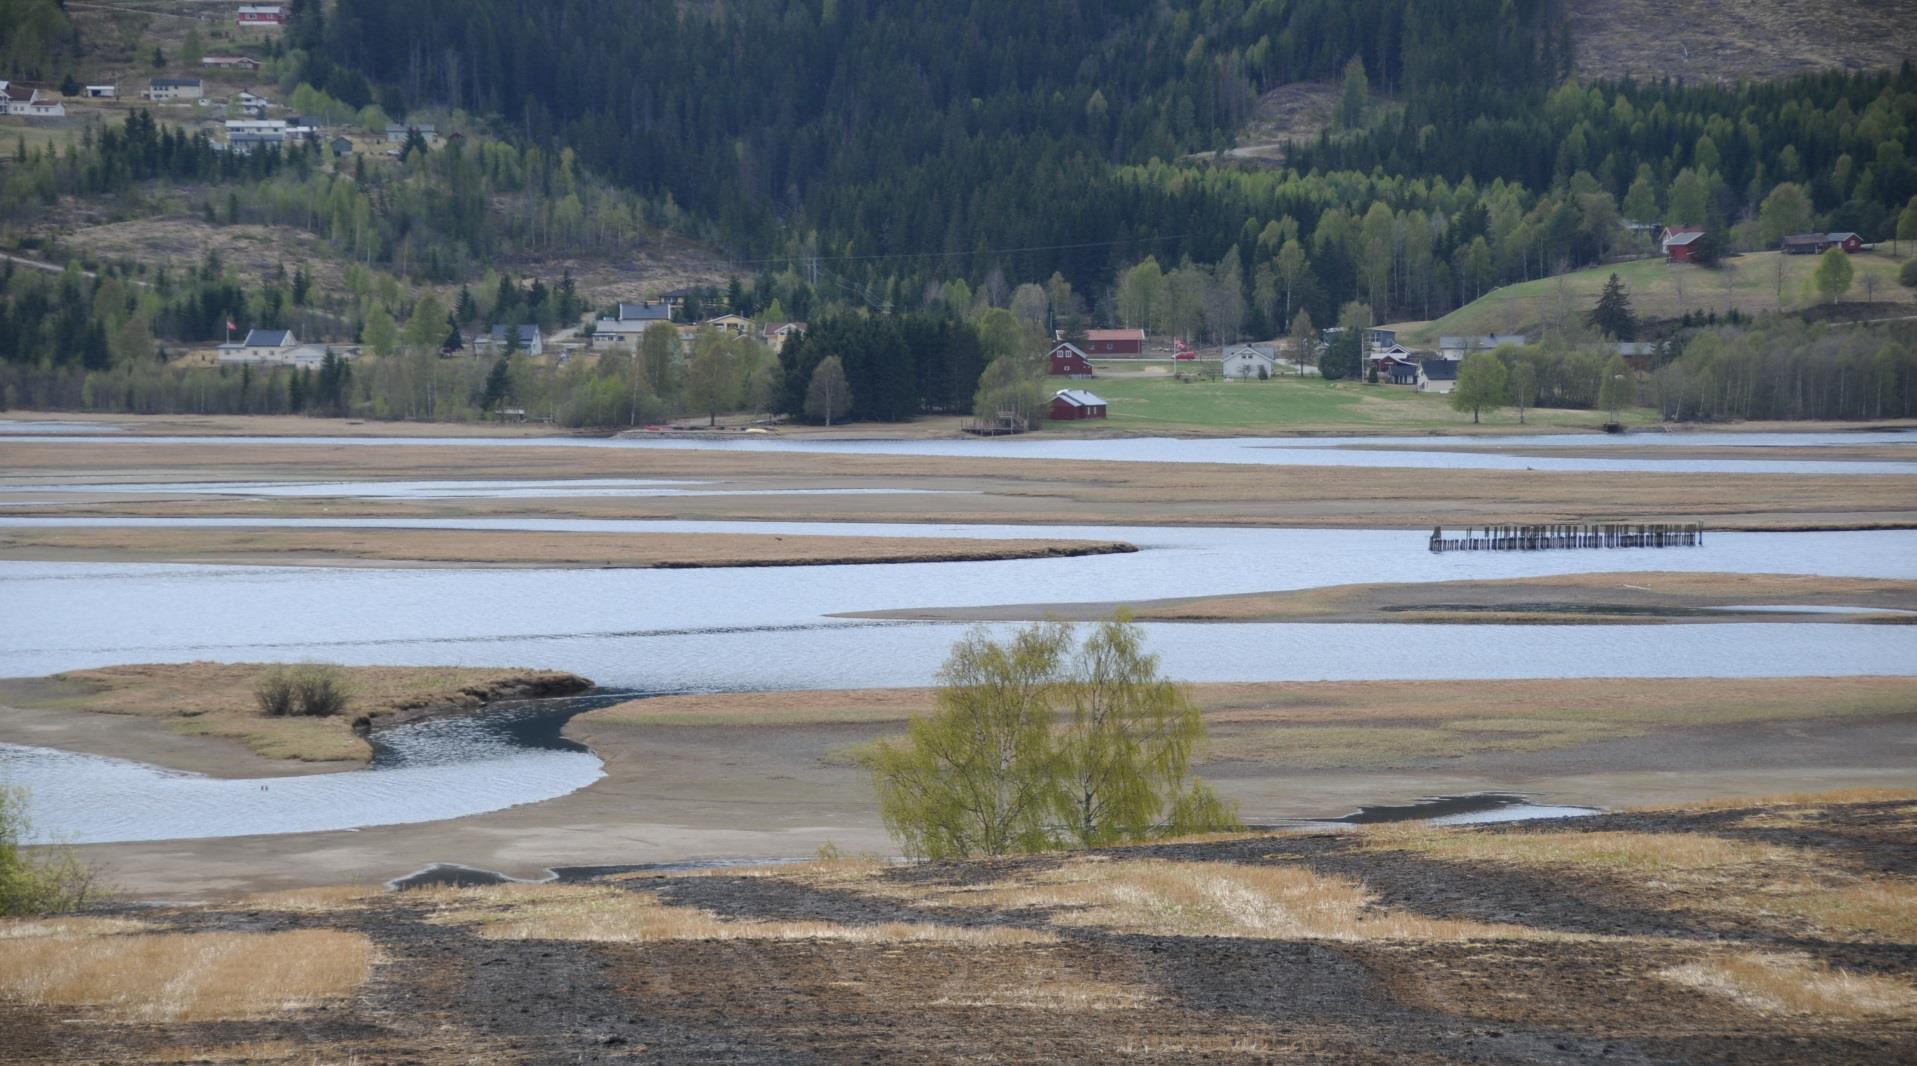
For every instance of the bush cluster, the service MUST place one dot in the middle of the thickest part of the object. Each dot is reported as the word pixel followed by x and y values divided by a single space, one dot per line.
pixel 50 882
pixel 309 690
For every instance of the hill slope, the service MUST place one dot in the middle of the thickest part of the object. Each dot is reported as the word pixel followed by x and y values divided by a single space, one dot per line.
pixel 1751 283
pixel 1731 40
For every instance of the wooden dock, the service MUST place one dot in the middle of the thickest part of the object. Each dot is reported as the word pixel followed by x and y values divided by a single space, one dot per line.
pixel 1549 537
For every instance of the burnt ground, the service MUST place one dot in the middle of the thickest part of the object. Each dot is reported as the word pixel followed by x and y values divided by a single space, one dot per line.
pixel 443 994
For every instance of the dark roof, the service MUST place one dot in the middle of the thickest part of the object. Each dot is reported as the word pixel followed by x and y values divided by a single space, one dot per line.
pixel 1805 238
pixel 1440 370
pixel 174 83
pixel 527 334
pixel 644 312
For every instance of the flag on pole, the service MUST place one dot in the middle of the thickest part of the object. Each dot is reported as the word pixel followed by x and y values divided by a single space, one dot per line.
pixel 230 327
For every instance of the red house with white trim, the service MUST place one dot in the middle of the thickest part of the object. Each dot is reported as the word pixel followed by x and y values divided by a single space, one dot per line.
pixel 1115 343
pixel 1072 405
pixel 1680 244
pixel 260 16
pixel 1068 362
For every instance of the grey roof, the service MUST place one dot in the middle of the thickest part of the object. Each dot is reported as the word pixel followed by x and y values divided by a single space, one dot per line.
pixel 1841 236
pixel 527 334
pixel 1806 238
pixel 1485 341
pixel 1080 398
pixel 1684 238
pixel 175 83
pixel 644 312
pixel 1265 350
pixel 1440 370
pixel 268 338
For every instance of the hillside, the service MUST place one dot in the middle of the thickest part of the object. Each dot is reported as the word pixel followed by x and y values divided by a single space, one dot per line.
pixel 1732 40
pixel 1751 283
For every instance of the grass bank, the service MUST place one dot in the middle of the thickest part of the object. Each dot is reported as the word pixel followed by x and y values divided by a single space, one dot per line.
pixel 217 700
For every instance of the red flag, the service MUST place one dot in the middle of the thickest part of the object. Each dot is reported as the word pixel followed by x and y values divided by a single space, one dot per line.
pixel 230 327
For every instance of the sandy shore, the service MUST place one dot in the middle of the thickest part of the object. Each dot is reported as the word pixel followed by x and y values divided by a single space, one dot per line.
pixel 766 775
pixel 515 549
pixel 1572 599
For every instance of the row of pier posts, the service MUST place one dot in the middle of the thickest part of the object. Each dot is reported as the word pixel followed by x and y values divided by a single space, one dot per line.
pixel 1560 535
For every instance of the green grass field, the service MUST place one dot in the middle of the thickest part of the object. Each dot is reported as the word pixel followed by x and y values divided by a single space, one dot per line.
pixel 1290 405
pixel 1750 282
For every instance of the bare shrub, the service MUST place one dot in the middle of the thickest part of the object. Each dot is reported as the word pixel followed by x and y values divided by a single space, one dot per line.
pixel 312 690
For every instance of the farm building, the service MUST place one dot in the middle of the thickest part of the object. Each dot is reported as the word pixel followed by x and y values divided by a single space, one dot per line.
pixel 272 347
pixel 1246 361
pixel 1851 243
pixel 1680 247
pixel 102 92
pixel 260 16
pixel 230 62
pixel 1072 405
pixel 1115 343
pixel 16 99
pixel 1067 361
pixel 527 339
pixel 1437 375
pixel 1805 244
pixel 160 90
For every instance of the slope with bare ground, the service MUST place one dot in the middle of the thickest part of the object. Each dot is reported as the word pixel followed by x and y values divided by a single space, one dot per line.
pixel 1737 40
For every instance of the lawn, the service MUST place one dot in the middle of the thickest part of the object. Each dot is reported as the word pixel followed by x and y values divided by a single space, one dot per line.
pixel 1295 405
pixel 1752 283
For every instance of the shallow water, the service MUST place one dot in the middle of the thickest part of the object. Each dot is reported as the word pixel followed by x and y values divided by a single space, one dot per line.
pixel 1662 452
pixel 441 768
pixel 442 490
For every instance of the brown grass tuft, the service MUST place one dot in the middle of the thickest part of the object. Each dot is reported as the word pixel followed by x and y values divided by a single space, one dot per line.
pixel 606 913
pixel 186 976
pixel 1797 984
pixel 1170 898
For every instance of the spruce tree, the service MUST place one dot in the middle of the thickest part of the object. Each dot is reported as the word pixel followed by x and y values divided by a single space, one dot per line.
pixel 1613 316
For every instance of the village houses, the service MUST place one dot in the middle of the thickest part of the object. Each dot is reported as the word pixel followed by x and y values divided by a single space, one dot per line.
pixel 272 347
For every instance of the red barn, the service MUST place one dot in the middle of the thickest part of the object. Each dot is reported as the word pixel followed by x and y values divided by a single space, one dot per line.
pixel 1120 343
pixel 1068 362
pixel 1851 243
pixel 260 15
pixel 1679 247
pixel 1071 405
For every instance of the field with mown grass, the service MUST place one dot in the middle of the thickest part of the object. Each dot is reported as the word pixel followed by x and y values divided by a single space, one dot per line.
pixel 1299 405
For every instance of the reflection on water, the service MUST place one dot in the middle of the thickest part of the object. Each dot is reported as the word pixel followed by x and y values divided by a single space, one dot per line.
pixel 441 768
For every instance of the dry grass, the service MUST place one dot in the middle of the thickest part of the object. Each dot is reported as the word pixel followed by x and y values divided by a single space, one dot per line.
pixel 1176 898
pixel 26 928
pixel 1036 987
pixel 216 699
pixel 186 976
pixel 1768 883
pixel 1155 493
pixel 1712 40
pixel 330 899
pixel 1797 985
pixel 614 914
pixel 323 547
pixel 769 708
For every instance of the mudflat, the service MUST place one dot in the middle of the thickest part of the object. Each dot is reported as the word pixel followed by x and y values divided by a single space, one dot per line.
pixel 1634 598
pixel 771 775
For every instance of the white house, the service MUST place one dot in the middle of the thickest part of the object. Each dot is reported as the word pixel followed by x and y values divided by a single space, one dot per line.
pixel 777 333
pixel 1456 348
pixel 1249 361
pixel 162 90
pixel 30 103
pixel 629 323
pixel 1438 375
pixel 737 325
pixel 276 347
pixel 494 340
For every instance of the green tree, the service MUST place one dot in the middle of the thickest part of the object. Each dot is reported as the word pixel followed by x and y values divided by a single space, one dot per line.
pixel 1907 274
pixel 1481 384
pixel 381 333
pixel 1292 267
pixel 1025 733
pixel 1613 315
pixel 980 775
pixel 1785 211
pixel 1126 747
pixel 1907 224
pixel 1833 275
pixel 712 376
pixel 1357 91
pixel 498 384
pixel 422 329
pixel 193 49
pixel 828 395
pixel 47 881
pixel 1304 340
